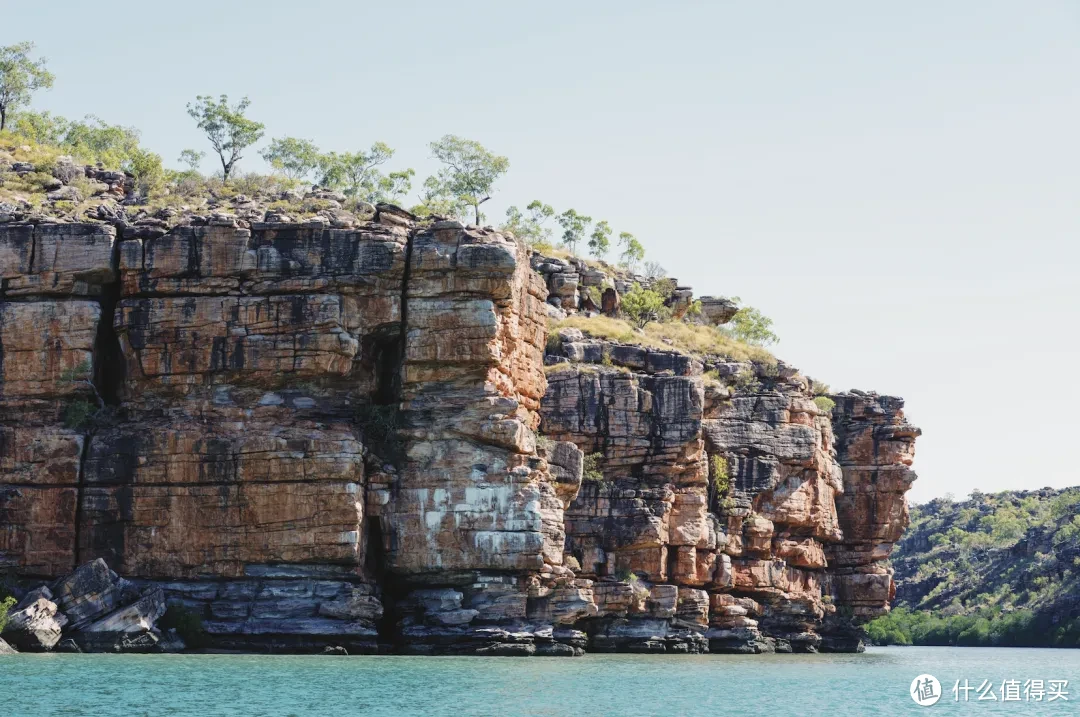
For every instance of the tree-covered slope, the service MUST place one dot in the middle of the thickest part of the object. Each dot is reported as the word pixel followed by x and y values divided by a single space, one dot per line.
pixel 998 569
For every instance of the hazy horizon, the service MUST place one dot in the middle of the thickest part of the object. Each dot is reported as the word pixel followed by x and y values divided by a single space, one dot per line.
pixel 896 186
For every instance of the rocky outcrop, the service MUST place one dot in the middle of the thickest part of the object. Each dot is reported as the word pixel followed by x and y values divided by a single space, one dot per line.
pixel 719 484
pixel 34 624
pixel 93 609
pixel 717 309
pixel 875 446
pixel 575 285
pixel 341 434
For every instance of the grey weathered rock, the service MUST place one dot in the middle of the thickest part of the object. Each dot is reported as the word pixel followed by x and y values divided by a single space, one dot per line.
pixel 593 277
pixel 565 461
pixel 36 626
pixel 453 617
pixel 65 194
pixel 6 649
pixel 355 606
pixel 571 334
pixel 33 596
pixel 717 310
pixel 140 616
pixel 570 604
pixel 89 592
pixel 128 629
pixel 66 170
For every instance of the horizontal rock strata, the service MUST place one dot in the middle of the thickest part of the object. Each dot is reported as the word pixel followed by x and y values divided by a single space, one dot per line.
pixel 295 437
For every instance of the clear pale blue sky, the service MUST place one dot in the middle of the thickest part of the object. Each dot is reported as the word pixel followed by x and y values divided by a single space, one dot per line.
pixel 894 183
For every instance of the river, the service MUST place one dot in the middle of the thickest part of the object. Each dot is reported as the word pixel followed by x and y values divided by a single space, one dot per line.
pixel 876 682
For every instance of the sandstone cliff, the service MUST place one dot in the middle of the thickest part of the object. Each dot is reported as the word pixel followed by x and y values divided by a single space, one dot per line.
pixel 315 436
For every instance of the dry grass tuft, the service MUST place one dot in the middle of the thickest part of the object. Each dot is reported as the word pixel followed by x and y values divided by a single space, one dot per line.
pixel 693 339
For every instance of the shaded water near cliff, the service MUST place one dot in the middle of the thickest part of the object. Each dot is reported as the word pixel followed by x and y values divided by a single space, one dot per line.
pixel 876 682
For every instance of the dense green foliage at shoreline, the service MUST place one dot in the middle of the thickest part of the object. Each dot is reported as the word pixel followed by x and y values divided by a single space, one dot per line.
pixel 1000 569
pixel 984 628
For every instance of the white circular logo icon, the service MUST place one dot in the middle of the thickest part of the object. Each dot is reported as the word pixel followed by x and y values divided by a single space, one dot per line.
pixel 925 690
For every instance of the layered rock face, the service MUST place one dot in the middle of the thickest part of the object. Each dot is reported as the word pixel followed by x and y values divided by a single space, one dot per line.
pixel 876 446
pixel 721 516
pixel 311 436
pixel 229 362
pixel 50 313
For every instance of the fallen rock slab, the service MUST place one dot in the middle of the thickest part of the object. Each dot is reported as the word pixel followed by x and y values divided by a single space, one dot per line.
pixel 129 629
pixel 90 592
pixel 36 627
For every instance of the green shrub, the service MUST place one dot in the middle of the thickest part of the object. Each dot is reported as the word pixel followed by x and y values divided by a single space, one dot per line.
pixel 665 287
pixel 79 414
pixel 644 305
pixel 747 381
pixel 989 626
pixel 640 591
pixel 254 184
pixel 591 467
pixel 825 404
pixel 751 326
pixel 5 605
pixel 380 423
pixel 721 481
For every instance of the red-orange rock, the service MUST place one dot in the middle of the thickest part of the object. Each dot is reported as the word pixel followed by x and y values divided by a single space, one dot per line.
pixel 875 445
pixel 273 424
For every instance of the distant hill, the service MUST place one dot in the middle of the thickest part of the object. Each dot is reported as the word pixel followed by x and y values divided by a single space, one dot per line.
pixel 998 569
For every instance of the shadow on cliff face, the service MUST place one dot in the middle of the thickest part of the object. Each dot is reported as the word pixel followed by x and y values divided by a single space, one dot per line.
pixel 382 355
pixel 379 417
pixel 109 364
pixel 393 589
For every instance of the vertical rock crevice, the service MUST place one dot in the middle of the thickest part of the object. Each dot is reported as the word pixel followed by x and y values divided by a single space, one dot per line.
pixel 107 379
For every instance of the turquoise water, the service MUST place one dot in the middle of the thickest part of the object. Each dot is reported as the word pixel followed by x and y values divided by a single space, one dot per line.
pixel 876 682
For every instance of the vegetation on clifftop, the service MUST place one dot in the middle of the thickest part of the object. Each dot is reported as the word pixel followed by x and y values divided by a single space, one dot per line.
pixel 51 169
pixel 998 569
pixel 689 338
